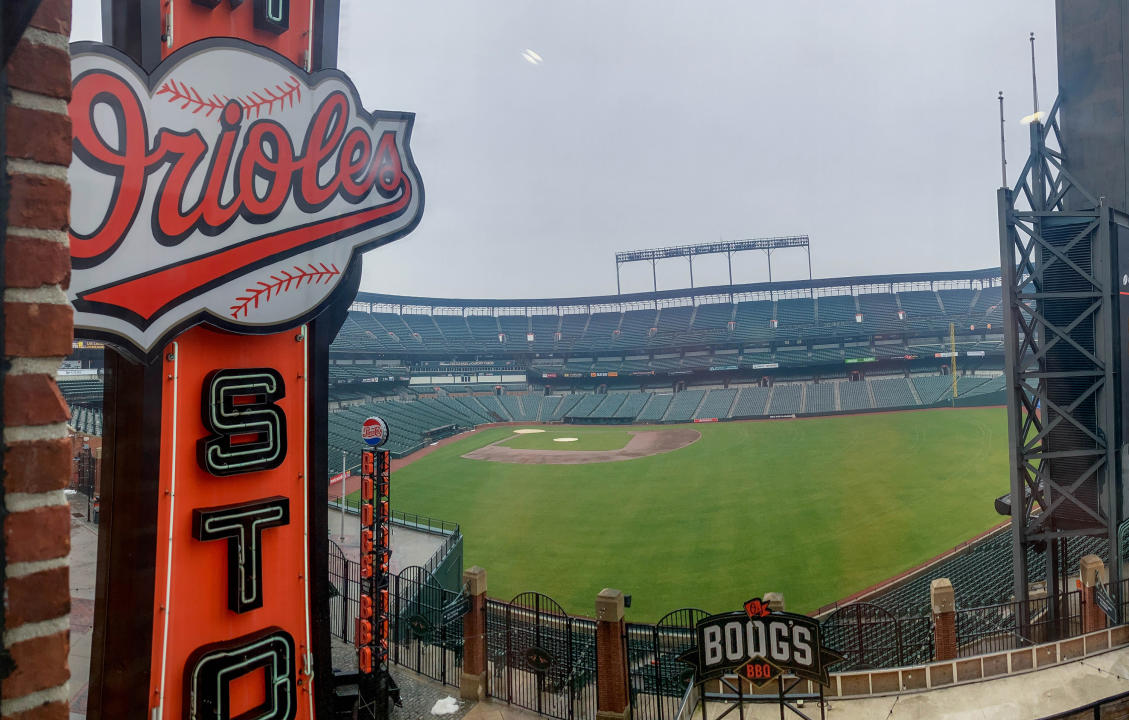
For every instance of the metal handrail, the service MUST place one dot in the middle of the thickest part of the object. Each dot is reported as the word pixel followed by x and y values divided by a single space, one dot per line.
pixel 689 703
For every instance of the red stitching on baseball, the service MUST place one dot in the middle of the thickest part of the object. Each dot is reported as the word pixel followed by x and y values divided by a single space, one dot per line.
pixel 260 101
pixel 283 282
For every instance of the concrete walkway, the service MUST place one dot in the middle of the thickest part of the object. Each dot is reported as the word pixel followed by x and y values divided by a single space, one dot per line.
pixel 1018 697
pixel 487 710
pixel 409 547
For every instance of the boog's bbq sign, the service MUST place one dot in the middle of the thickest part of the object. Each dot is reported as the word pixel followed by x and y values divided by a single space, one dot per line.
pixel 225 179
pixel 760 645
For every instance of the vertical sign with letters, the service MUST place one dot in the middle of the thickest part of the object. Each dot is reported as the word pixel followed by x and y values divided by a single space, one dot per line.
pixel 226 179
pixel 230 621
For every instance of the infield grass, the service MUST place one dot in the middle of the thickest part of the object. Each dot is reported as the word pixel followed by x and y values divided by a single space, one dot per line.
pixel 586 439
pixel 815 508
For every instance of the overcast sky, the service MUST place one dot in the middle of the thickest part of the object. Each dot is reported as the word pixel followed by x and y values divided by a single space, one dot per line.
pixel 871 126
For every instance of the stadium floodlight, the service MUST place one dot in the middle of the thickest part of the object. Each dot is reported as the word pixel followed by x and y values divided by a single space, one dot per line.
pixel 767 245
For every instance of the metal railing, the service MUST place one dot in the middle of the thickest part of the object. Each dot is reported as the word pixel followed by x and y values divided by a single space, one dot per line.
pixel 1011 625
pixel 540 658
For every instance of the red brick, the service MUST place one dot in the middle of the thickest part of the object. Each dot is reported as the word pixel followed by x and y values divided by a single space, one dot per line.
pixel 41 663
pixel 40 69
pixel 53 16
pixel 32 262
pixel 47 711
pixel 37 329
pixel 38 135
pixel 37 466
pixel 40 596
pixel 33 400
pixel 38 202
pixel 40 534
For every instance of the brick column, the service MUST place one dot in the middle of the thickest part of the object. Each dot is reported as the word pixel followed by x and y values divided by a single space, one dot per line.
pixel 472 685
pixel 1092 572
pixel 612 700
pixel 943 600
pixel 37 335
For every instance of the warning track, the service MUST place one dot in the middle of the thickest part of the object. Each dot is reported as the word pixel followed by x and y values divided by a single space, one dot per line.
pixel 643 443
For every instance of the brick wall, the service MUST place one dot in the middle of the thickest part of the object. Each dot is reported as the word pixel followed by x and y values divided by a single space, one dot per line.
pixel 37 336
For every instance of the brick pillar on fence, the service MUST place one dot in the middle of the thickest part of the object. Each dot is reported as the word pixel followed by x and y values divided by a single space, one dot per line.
pixel 37 335
pixel 1092 572
pixel 472 685
pixel 943 600
pixel 611 658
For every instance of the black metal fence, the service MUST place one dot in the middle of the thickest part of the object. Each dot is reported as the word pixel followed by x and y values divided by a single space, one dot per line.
pixel 658 679
pixel 540 658
pixel 84 469
pixel 1005 626
pixel 344 594
pixel 425 635
pixel 869 637
pixel 543 659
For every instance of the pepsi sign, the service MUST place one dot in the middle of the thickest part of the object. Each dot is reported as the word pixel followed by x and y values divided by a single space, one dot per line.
pixel 374 431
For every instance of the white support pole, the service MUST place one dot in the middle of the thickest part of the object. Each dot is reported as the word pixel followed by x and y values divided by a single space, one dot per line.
pixel 343 461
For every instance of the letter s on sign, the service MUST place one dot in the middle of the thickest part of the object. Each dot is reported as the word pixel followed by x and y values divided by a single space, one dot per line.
pixel 248 430
pixel 801 645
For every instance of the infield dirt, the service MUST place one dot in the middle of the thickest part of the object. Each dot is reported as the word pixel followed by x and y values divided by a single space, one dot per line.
pixel 643 443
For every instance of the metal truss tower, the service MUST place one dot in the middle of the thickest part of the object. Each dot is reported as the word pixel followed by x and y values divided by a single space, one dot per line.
pixel 1062 310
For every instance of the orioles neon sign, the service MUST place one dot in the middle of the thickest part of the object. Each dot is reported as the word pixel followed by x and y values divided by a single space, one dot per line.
pixel 253 190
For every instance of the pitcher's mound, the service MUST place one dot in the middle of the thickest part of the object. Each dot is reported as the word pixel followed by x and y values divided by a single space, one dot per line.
pixel 642 444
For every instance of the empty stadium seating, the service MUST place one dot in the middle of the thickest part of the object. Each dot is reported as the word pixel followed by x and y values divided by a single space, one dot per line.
pixel 819 398
pixel 683 405
pixel 751 402
pixel 716 404
pixel 826 315
pixel 81 392
pixel 86 420
pixel 655 408
pixel 891 392
pixel 411 420
pixel 854 396
pixel 786 399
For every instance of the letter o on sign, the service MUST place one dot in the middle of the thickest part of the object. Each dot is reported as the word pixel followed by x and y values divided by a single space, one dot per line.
pixel 211 669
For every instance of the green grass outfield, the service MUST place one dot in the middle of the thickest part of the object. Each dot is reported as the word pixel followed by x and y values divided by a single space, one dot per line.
pixel 816 508
pixel 586 439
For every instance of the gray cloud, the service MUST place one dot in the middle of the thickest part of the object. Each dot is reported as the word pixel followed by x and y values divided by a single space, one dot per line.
pixel 871 126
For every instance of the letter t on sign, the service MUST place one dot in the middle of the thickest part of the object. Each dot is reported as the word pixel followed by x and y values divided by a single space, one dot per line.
pixel 242 526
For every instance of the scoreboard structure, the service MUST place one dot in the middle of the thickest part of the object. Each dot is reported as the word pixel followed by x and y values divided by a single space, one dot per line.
pixel 226 179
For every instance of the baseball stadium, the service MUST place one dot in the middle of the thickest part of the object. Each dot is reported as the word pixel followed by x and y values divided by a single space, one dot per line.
pixel 837 444
pixel 267 484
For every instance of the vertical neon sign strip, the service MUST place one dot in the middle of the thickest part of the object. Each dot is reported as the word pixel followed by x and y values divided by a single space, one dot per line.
pixel 174 377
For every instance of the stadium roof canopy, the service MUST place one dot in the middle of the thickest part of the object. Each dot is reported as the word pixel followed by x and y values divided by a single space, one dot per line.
pixel 788 288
